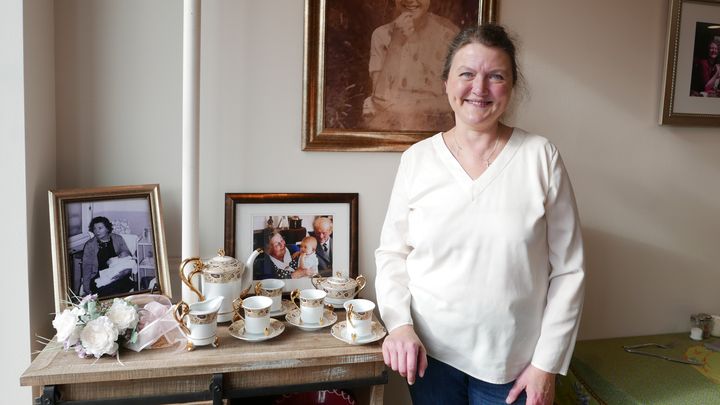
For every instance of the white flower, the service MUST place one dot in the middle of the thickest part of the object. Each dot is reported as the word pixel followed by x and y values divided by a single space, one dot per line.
pixel 78 311
pixel 65 324
pixel 99 336
pixel 123 315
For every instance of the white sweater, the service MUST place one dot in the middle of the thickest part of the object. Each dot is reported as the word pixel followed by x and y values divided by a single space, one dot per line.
pixel 489 271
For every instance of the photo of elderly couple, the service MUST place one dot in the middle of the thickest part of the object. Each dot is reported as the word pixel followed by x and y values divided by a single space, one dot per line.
pixel 295 246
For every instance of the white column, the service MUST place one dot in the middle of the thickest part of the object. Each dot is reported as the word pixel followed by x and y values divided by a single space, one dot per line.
pixel 191 138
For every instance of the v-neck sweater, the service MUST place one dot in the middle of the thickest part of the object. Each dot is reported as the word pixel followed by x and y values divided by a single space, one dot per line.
pixel 489 271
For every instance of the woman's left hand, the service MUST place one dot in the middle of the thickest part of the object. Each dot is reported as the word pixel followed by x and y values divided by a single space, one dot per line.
pixel 539 386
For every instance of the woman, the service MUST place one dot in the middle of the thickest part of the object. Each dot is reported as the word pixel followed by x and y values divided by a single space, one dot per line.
pixel 480 264
pixel 281 263
pixel 98 254
pixel 706 71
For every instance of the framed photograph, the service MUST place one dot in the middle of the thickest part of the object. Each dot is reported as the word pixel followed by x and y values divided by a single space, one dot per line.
pixel 301 234
pixel 692 71
pixel 107 241
pixel 372 75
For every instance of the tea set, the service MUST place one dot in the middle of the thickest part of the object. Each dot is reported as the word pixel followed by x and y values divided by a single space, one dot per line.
pixel 224 277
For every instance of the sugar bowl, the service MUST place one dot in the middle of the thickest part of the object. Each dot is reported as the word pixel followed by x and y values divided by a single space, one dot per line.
pixel 339 288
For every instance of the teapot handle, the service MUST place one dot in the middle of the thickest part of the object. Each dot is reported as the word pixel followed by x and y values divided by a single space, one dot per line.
pixel 361 283
pixel 316 280
pixel 183 309
pixel 188 280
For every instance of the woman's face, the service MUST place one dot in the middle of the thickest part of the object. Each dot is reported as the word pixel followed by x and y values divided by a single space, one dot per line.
pixel 415 7
pixel 713 50
pixel 277 247
pixel 479 85
pixel 100 231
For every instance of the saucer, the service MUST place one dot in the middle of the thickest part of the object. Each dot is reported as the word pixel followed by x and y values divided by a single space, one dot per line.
pixel 287 306
pixel 237 329
pixel 293 318
pixel 340 331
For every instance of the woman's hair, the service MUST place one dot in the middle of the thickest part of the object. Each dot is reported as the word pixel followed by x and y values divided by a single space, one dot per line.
pixel 270 238
pixel 102 220
pixel 490 35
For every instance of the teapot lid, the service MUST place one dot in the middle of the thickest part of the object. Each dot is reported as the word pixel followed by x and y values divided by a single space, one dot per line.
pixel 222 263
pixel 340 279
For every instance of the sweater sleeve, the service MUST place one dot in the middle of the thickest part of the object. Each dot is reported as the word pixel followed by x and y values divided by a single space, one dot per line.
pixel 391 280
pixel 561 316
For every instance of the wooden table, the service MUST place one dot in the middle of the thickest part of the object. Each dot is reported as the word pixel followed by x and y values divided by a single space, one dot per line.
pixel 295 361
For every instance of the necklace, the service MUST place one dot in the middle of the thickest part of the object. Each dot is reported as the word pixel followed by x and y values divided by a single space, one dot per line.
pixel 458 149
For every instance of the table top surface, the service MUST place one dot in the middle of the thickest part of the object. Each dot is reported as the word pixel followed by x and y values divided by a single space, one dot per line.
pixel 292 348
pixel 616 376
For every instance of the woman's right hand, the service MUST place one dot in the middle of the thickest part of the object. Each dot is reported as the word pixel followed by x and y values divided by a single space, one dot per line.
pixel 404 352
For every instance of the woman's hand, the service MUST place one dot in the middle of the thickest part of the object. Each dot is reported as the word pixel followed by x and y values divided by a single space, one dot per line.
pixel 539 386
pixel 404 352
pixel 299 273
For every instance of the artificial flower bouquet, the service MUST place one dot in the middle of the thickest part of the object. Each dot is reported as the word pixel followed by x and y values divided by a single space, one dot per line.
pixel 94 328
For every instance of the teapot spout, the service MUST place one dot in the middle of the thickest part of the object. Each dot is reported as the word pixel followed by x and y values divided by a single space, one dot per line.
pixel 247 275
pixel 251 260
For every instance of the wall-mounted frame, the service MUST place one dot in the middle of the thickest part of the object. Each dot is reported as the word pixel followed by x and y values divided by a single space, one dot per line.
pixel 108 241
pixel 692 76
pixel 372 71
pixel 281 223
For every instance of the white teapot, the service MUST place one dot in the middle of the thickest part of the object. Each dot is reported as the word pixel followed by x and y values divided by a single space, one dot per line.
pixel 338 288
pixel 221 276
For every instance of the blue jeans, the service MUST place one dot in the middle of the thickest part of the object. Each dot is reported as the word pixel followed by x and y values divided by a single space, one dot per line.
pixel 444 384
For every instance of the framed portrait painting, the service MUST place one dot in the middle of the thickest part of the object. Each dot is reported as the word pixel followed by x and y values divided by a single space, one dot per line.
pixel 107 241
pixel 372 75
pixel 301 235
pixel 692 72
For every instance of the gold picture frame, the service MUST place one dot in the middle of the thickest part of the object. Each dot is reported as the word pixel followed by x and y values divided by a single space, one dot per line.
pixel 692 26
pixel 135 229
pixel 338 88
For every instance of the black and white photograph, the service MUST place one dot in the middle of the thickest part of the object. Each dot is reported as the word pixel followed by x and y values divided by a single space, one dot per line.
pixel 301 235
pixel 109 242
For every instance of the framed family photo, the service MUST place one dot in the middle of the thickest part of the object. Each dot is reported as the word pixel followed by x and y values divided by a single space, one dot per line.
pixel 692 72
pixel 372 74
pixel 107 241
pixel 302 234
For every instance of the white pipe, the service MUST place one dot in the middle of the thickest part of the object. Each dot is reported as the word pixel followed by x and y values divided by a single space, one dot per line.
pixel 191 139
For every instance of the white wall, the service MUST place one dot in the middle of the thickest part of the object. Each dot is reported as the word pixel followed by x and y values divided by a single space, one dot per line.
pixel 15 342
pixel 648 194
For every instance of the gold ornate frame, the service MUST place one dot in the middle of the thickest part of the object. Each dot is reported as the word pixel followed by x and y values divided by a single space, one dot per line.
pixel 668 116
pixel 58 200
pixel 315 136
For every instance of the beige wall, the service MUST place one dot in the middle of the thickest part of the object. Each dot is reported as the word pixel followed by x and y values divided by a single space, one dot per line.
pixel 648 194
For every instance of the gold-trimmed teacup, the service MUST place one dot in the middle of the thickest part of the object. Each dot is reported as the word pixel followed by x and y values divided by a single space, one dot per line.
pixel 359 317
pixel 311 305
pixel 272 288
pixel 257 314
